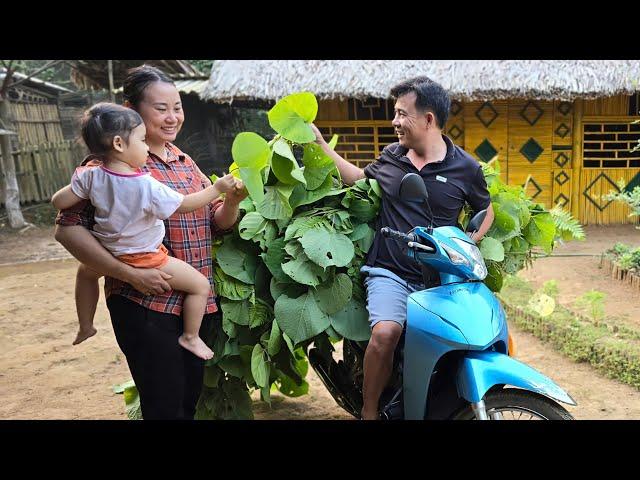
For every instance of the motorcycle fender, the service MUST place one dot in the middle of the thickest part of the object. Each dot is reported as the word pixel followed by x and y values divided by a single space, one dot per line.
pixel 479 371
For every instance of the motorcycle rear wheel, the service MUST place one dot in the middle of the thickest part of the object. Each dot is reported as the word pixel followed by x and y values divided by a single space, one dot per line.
pixel 514 404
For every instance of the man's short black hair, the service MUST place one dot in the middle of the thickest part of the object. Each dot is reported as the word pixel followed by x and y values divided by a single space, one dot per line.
pixel 429 96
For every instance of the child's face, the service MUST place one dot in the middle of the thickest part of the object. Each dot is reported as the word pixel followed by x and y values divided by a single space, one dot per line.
pixel 137 151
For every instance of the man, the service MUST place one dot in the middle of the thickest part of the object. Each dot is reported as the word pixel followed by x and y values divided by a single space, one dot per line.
pixel 452 177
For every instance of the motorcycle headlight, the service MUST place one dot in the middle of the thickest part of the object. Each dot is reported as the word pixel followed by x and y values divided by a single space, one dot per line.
pixel 455 256
pixel 478 266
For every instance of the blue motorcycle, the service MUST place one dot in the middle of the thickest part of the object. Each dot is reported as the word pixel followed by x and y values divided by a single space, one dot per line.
pixel 452 361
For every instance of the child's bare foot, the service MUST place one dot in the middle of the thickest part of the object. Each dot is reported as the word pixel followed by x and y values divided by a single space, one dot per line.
pixel 196 346
pixel 83 334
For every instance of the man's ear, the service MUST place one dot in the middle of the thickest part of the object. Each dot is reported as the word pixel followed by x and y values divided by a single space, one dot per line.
pixel 430 119
pixel 118 143
pixel 127 104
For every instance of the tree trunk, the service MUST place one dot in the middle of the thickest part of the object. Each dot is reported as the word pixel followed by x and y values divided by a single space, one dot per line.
pixel 8 167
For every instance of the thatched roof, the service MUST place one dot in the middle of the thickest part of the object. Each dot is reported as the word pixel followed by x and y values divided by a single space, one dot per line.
pixel 93 74
pixel 465 79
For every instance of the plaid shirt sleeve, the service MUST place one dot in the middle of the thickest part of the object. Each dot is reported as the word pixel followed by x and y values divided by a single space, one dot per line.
pixel 216 231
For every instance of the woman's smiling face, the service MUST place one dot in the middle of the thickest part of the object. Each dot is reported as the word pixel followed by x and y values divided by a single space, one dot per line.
pixel 161 110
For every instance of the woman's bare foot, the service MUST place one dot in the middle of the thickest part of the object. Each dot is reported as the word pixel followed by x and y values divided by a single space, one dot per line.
pixel 196 346
pixel 83 334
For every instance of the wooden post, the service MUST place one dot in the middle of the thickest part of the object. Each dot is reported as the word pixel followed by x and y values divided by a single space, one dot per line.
pixel 8 167
pixel 576 159
pixel 111 94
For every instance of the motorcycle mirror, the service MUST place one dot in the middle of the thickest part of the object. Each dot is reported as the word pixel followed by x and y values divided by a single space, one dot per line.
pixel 413 189
pixel 476 221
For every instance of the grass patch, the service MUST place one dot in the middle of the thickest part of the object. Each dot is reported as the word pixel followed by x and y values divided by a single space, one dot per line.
pixel 612 349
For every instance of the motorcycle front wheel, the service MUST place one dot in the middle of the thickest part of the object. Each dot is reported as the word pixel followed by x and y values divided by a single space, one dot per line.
pixel 513 404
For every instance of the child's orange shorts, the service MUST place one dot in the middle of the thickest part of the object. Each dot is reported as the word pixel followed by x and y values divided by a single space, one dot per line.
pixel 148 259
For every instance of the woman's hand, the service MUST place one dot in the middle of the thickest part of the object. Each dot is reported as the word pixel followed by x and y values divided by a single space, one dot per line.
pixel 149 281
pixel 238 193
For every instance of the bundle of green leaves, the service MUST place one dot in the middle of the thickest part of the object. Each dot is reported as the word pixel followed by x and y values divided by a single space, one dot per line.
pixel 521 226
pixel 289 274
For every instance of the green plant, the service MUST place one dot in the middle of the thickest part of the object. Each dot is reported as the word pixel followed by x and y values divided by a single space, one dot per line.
pixel 519 227
pixel 592 302
pixel 631 198
pixel 550 287
pixel 624 256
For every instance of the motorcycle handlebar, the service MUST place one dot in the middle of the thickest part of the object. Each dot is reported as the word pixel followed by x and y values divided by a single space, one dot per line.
pixel 389 233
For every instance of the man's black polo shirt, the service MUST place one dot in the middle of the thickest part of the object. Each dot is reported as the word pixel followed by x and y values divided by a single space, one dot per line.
pixel 451 182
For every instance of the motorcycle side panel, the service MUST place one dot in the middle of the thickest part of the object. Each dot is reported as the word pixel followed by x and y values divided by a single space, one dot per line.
pixel 470 308
pixel 479 371
pixel 439 320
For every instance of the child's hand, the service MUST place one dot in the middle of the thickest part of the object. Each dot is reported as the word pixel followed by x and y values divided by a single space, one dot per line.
pixel 226 183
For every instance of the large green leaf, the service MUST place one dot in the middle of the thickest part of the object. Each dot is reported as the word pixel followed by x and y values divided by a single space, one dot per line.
pixel 334 295
pixel 291 115
pixel 273 259
pixel 233 366
pixel 275 339
pixel 251 153
pixel 300 318
pixel 301 196
pixel 229 287
pixel 284 164
pixel 491 249
pixel 250 150
pixel 352 322
pixel 540 231
pixel 259 314
pixel 304 271
pixel 504 225
pixel 287 386
pixel 275 205
pixel 234 262
pixel 494 277
pixel 327 248
pixel 317 165
pixel 234 311
pixel 363 210
pixel 259 366
pixel 251 224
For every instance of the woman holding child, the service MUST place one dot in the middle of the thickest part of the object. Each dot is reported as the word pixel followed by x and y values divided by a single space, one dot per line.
pixel 145 311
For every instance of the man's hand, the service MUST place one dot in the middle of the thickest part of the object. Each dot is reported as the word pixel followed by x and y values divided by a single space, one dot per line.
pixel 149 281
pixel 319 138
pixel 238 193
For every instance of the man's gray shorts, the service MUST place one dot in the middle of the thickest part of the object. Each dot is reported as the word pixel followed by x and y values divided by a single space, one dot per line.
pixel 387 295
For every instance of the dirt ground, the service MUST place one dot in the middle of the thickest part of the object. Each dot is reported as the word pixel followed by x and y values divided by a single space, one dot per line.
pixel 42 376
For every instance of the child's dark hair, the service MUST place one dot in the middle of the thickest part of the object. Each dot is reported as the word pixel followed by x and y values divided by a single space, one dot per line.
pixel 102 122
pixel 138 79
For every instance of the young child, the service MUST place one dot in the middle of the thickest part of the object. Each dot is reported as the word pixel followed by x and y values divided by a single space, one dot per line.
pixel 130 207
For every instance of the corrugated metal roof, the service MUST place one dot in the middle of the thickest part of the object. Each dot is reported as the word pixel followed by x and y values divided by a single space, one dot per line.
pixel 35 81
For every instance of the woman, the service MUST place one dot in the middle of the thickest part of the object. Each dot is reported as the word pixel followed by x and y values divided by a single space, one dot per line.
pixel 145 312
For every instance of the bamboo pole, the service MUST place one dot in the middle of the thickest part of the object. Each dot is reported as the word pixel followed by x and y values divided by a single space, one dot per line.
pixel 576 160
